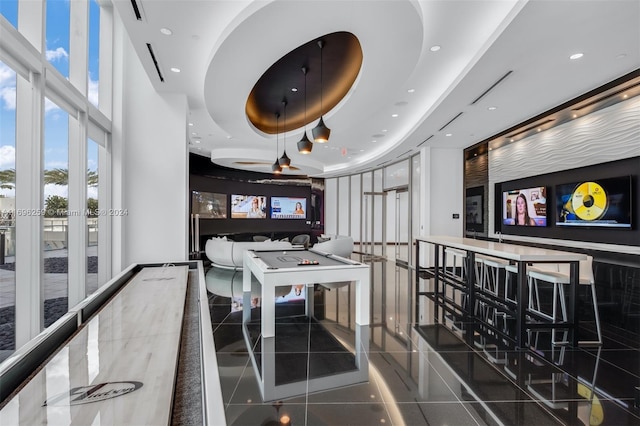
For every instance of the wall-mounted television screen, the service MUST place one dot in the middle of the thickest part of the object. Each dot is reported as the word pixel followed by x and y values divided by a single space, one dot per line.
pixel 209 205
pixel 595 203
pixel 248 207
pixel 525 207
pixel 288 208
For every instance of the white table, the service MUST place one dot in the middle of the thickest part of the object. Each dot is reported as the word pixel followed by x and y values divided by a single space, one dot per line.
pixel 519 255
pixel 270 275
pixel 271 272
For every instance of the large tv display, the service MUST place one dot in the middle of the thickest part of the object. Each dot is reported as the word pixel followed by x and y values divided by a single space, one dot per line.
pixel 248 207
pixel 595 203
pixel 288 208
pixel 525 207
pixel 209 205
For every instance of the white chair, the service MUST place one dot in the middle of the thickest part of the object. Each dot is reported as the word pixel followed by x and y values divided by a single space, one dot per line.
pixel 561 278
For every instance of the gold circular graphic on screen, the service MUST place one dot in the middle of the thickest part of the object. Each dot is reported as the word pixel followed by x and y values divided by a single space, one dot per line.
pixel 589 201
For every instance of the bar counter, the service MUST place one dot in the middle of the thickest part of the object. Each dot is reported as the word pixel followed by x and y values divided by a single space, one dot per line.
pixel 515 254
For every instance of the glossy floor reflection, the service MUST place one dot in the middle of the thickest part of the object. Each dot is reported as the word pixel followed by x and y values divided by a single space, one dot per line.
pixel 426 375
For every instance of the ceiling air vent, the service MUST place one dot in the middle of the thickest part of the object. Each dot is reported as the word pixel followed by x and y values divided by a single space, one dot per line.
pixel 155 62
pixel 500 80
pixel 136 10
pixel 450 121
pixel 424 141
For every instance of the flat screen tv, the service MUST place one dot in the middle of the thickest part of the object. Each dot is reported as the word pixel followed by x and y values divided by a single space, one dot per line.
pixel 209 205
pixel 595 203
pixel 248 207
pixel 288 208
pixel 525 207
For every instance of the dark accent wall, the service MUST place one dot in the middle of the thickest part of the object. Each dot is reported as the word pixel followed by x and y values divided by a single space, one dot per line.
pixel 620 168
pixel 208 177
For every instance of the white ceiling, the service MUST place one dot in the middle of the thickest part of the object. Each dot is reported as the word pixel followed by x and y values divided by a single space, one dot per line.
pixel 223 47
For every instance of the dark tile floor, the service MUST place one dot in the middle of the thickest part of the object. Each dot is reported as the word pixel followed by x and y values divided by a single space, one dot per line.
pixel 431 378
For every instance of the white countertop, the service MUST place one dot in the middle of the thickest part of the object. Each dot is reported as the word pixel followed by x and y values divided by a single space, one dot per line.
pixel 505 250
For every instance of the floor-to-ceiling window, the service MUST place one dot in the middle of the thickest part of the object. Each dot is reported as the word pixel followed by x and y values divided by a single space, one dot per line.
pixel 53 150
pixel 55 235
pixel 93 210
pixel 57 34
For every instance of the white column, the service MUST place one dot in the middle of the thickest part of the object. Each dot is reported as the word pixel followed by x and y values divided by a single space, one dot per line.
pixel 77 220
pixel 29 197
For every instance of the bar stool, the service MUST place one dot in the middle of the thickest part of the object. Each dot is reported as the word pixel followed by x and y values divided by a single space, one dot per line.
pixel 494 274
pixel 586 278
pixel 559 279
pixel 458 256
pixel 458 271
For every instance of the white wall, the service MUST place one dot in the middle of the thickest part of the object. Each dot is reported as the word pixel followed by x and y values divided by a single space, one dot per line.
pixel 443 191
pixel 149 143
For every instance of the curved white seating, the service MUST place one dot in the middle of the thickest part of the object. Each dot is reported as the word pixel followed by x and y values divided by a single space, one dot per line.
pixel 340 246
pixel 228 254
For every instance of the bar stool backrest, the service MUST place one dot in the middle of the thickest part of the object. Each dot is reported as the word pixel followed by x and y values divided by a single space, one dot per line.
pixel 586 270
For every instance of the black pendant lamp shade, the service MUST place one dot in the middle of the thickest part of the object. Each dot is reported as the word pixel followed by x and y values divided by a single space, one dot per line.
pixel 305 145
pixel 276 166
pixel 284 161
pixel 321 132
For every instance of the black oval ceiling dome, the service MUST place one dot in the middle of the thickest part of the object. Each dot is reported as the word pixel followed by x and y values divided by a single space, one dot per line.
pixel 341 62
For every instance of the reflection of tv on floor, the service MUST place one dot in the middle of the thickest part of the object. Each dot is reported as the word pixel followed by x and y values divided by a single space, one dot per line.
pixel 288 208
pixel 596 203
pixel 525 207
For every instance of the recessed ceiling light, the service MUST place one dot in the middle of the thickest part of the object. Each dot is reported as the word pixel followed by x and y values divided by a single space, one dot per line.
pixel 492 108
pixel 539 129
pixel 196 140
pixel 511 140
pixel 175 69
pixel 190 124
pixel 166 31
pixel 449 134
pixel 411 90
pixel 434 48
pixel 374 141
pixel 362 150
pixel 576 56
pixel 294 89
pixel 625 96
pixel 385 130
pixel 394 115
pixel 229 137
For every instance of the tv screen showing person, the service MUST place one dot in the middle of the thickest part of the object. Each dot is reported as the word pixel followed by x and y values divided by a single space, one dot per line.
pixel 525 207
pixel 288 208
pixel 248 207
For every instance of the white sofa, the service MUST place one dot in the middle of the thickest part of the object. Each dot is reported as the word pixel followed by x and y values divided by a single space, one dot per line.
pixel 340 245
pixel 228 254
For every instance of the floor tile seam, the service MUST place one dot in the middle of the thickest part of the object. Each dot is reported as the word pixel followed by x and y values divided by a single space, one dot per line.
pixel 237 385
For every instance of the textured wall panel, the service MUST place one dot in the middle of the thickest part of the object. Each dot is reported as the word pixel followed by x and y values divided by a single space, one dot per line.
pixel 606 135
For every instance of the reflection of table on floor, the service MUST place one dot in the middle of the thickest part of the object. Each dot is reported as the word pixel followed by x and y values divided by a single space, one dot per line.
pixel 275 268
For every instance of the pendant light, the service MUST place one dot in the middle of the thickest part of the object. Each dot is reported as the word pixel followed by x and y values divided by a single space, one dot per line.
pixel 284 161
pixel 304 145
pixel 276 166
pixel 321 132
